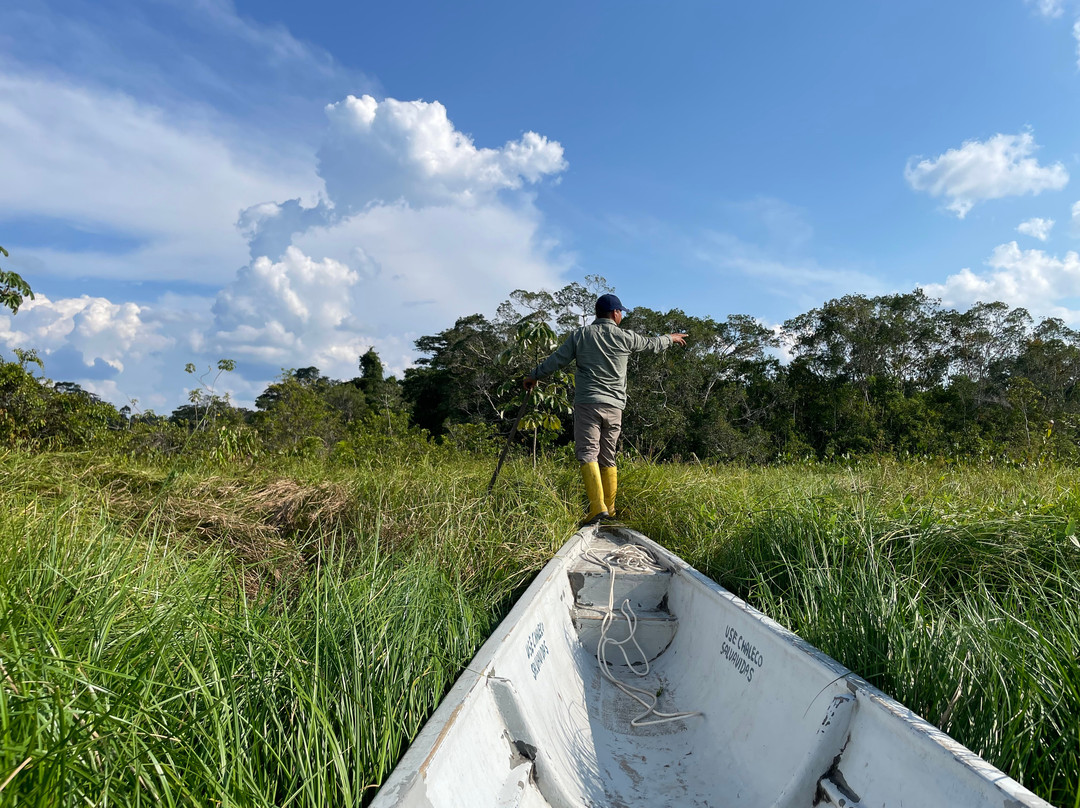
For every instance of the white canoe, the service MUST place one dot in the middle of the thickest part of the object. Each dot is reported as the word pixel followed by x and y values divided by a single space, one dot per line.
pixel 774 721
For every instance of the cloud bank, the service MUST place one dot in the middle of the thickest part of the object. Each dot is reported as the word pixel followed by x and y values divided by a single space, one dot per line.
pixel 407 224
pixel 1044 284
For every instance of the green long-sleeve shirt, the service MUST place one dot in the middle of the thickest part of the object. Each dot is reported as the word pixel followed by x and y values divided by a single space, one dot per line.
pixel 601 350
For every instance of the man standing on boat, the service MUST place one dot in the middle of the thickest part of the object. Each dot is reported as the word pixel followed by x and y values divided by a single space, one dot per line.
pixel 601 350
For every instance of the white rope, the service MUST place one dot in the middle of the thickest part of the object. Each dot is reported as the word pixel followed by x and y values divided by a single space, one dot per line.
pixel 633 558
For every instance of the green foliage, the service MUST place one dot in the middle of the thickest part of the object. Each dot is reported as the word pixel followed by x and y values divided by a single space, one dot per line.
pixel 13 289
pixel 893 374
pixel 856 339
pixel 389 435
pixel 479 439
pixel 456 381
pixel 898 374
pixel 570 307
pixel 711 399
pixel 294 418
pixel 35 413
pixel 23 402
pixel 278 635
pixel 382 395
pixel 889 375
pixel 552 398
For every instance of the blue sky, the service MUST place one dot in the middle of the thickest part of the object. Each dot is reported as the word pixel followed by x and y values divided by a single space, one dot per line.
pixel 289 184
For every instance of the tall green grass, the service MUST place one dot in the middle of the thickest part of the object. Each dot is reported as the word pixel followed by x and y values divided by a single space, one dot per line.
pixel 142 666
pixel 957 591
pixel 131 679
pixel 277 637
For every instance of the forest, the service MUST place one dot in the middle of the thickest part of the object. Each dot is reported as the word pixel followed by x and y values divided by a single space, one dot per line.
pixel 895 374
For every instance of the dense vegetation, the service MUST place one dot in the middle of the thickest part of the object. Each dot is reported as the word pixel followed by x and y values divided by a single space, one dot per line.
pixel 204 634
pixel 895 374
pixel 255 608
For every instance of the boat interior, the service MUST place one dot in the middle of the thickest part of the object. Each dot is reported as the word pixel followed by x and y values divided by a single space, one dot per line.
pixel 625 678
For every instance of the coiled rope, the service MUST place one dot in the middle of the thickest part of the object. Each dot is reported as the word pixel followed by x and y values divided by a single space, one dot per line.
pixel 631 558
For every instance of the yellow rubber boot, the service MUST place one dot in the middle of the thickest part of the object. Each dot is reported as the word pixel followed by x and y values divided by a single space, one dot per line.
pixel 609 476
pixel 594 488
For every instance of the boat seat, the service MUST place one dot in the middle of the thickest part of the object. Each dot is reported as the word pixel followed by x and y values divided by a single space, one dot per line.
pixel 654 632
pixel 645 592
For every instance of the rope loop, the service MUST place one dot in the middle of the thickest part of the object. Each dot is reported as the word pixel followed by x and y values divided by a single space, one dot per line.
pixel 629 558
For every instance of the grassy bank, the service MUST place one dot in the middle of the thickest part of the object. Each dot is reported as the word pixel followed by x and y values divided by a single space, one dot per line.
pixel 205 636
pixel 956 590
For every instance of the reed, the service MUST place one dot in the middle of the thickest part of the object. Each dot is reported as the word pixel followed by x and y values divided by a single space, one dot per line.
pixel 198 636
pixel 955 590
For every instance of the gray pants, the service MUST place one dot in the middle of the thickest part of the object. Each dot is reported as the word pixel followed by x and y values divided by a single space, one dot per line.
pixel 596 431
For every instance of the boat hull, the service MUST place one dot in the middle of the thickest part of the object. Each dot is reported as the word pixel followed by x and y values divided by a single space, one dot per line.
pixel 533 722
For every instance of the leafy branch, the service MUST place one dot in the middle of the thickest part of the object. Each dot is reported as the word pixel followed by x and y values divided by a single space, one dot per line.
pixel 13 289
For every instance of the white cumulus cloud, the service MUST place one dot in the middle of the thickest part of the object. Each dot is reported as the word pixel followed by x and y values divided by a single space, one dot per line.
pixel 1042 283
pixel 382 277
pixel 277 311
pixel 1048 8
pixel 409 150
pixel 1036 228
pixel 433 264
pixel 417 226
pixel 979 170
pixel 416 229
pixel 111 332
pixel 117 350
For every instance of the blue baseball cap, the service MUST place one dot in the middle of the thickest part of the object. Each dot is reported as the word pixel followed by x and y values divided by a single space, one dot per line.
pixel 606 303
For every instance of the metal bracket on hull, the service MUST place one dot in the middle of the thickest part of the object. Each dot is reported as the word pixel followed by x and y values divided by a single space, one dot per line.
pixel 833 794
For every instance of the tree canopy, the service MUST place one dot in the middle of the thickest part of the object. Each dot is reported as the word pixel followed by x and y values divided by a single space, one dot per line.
pixel 894 373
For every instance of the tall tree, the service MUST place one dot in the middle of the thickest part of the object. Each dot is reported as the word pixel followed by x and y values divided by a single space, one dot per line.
pixel 1050 358
pixel 856 338
pixel 575 303
pixel 566 309
pixel 698 400
pixel 383 395
pixel 985 340
pixel 456 381
pixel 294 415
pixel 524 305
